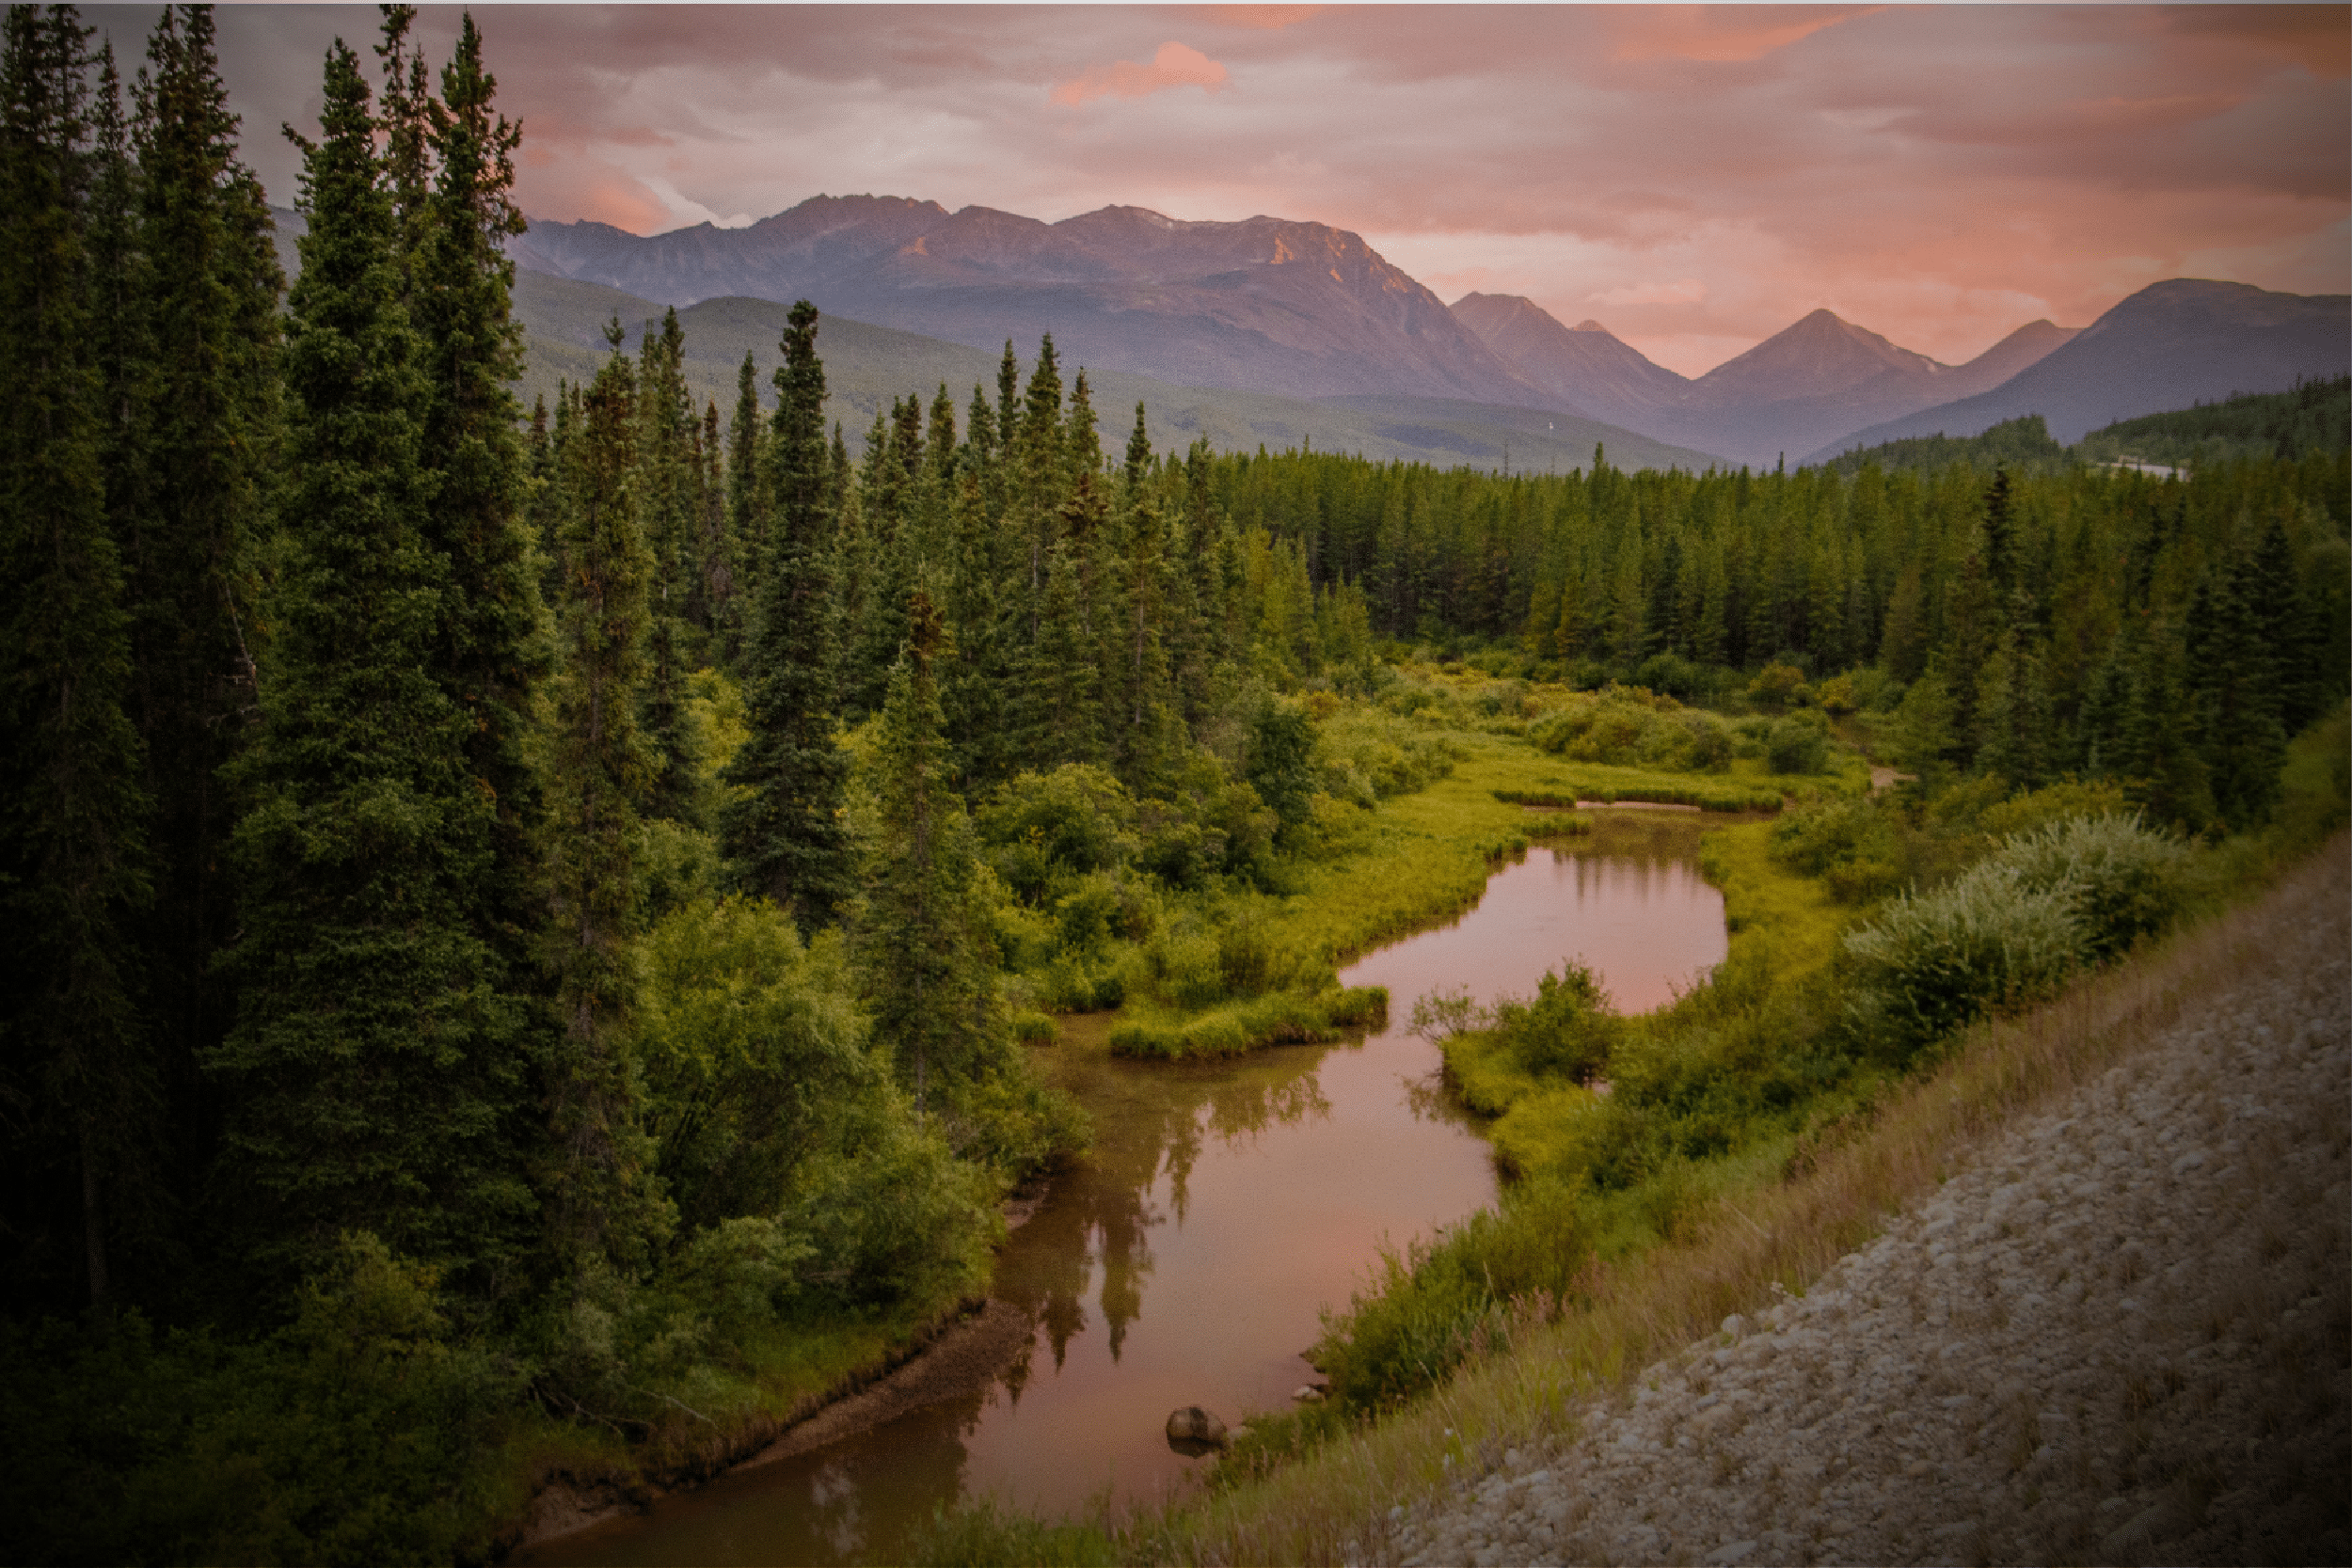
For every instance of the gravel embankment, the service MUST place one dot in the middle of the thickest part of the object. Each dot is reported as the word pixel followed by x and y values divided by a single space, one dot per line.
pixel 2123 1334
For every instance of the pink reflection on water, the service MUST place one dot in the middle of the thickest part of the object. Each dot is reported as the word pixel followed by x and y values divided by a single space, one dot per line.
pixel 1644 925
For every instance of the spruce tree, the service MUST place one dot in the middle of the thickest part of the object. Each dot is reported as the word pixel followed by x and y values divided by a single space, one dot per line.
pixel 493 656
pixel 747 511
pixel 82 1094
pixel 669 486
pixel 202 422
pixel 605 1207
pixel 377 1059
pixel 783 831
pixel 2236 695
pixel 925 951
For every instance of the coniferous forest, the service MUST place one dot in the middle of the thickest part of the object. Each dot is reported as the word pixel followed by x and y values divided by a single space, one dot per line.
pixel 521 922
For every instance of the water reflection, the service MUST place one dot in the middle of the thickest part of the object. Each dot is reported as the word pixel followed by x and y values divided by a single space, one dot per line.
pixel 1224 1204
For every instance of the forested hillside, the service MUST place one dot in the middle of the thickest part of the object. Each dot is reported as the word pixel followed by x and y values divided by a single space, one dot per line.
pixel 519 922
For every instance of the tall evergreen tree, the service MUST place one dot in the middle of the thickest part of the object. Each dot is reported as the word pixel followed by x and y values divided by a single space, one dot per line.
pixel 924 948
pixel 606 1210
pixel 669 485
pixel 203 423
pixel 747 510
pixel 80 1094
pixel 493 655
pixel 376 1061
pixel 2233 675
pixel 782 833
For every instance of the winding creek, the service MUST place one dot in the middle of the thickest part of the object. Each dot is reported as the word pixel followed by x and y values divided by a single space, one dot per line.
pixel 1225 1204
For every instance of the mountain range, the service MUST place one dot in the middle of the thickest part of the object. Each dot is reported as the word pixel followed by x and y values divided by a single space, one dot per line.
pixel 1312 315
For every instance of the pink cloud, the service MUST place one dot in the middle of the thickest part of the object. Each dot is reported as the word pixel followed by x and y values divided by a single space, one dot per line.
pixel 1267 17
pixel 1720 33
pixel 1938 173
pixel 1176 65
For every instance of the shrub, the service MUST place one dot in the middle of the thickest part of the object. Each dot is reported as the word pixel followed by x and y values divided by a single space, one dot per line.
pixel 1799 743
pixel 895 1216
pixel 1565 1031
pixel 1775 686
pixel 2125 880
pixel 1926 966
pixel 1044 830
pixel 1364 754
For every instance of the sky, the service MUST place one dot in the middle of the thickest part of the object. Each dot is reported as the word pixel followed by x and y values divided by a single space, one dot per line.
pixel 1695 178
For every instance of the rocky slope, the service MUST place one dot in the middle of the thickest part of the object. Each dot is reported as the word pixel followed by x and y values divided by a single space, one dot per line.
pixel 2123 1334
pixel 1270 304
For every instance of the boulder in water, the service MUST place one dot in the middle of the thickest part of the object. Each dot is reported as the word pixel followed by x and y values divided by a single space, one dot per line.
pixel 1194 1430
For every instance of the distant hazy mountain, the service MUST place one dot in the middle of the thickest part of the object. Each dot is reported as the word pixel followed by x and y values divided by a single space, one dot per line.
pixel 1583 367
pixel 1790 393
pixel 867 366
pixel 2169 346
pixel 1266 304
pixel 1805 385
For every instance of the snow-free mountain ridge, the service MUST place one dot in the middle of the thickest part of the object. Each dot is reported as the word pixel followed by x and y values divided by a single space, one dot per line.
pixel 1306 311
pixel 2172 345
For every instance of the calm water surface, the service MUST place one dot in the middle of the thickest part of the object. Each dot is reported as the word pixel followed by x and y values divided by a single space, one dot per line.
pixel 1186 1261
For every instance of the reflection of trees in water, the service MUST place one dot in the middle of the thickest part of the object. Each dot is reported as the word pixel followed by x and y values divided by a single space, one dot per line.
pixel 866 1494
pixel 1149 1120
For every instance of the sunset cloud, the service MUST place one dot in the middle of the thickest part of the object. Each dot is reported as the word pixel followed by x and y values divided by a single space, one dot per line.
pixel 1702 176
pixel 1682 290
pixel 1719 32
pixel 1176 65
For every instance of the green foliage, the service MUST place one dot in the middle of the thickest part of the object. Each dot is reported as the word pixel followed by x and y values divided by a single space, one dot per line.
pixel 748 1041
pixel 1928 965
pixel 381 1044
pixel 781 826
pixel 1799 743
pixel 2008 930
pixel 1044 830
pixel 1855 846
pixel 894 1215
pixel 1365 755
pixel 2022 445
pixel 1495 1055
pixel 2315 417
pixel 2126 881
pixel 364 1432
pixel 1281 761
pixel 1457 1296
pixel 77 869
pixel 1230 1029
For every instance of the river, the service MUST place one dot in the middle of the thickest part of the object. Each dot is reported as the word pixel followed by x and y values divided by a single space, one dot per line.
pixel 1224 1206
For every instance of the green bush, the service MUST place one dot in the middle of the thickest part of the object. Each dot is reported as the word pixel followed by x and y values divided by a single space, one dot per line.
pixel 2127 881
pixel 364 1431
pixel 1928 965
pixel 745 1038
pixel 2068 894
pixel 1799 743
pixel 1044 830
pixel 895 1216
pixel 1567 1030
pixel 1364 754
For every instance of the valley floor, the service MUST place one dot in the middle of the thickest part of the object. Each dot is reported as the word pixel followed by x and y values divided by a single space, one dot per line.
pixel 2121 1332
